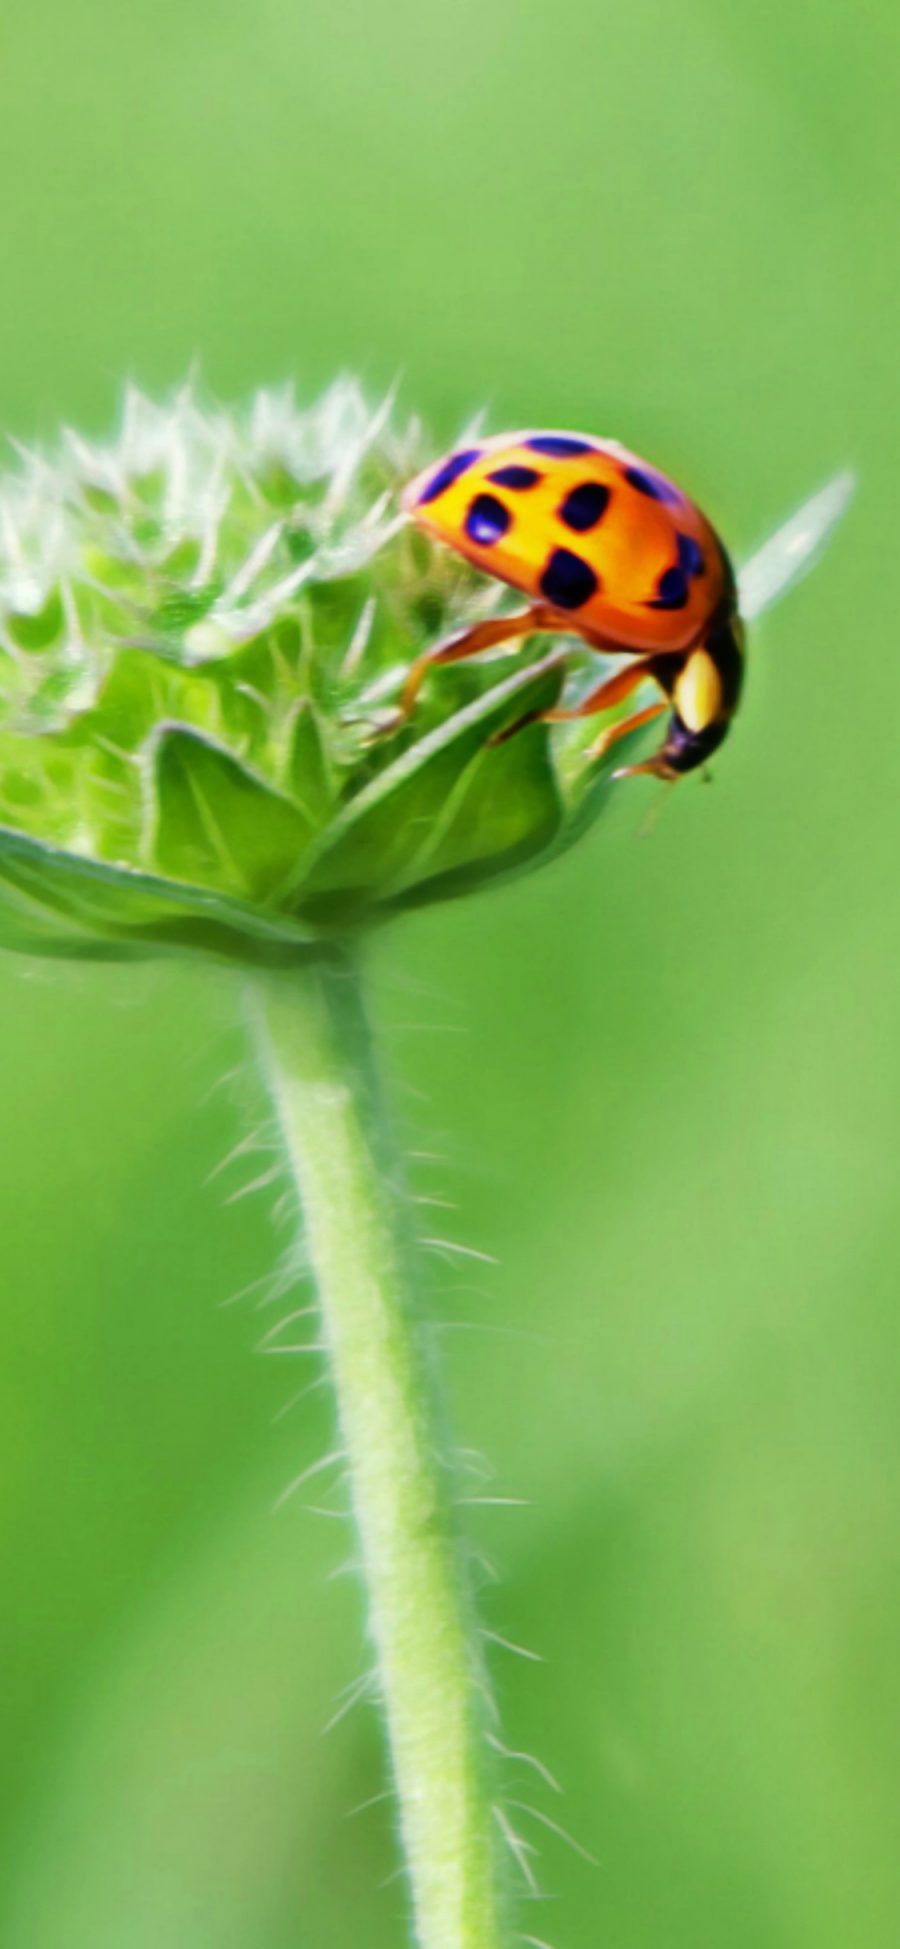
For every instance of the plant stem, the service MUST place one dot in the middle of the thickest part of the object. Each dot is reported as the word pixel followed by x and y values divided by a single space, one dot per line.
pixel 316 1050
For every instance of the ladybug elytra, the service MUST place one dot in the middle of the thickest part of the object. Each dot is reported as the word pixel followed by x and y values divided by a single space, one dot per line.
pixel 605 548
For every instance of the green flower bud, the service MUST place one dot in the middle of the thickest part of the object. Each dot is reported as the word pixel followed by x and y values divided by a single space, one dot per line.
pixel 202 627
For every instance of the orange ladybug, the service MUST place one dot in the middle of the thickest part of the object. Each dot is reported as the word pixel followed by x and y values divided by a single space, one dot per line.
pixel 606 548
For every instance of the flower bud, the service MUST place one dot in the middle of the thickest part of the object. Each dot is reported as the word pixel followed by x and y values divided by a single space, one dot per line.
pixel 204 628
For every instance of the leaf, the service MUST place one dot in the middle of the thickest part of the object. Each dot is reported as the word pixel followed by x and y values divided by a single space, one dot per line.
pixel 138 690
pixel 218 824
pixel 793 551
pixel 56 902
pixel 585 799
pixel 308 772
pixel 37 629
pixel 452 802
pixel 38 786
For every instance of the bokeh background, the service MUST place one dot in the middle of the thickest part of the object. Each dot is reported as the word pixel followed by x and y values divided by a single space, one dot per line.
pixel 664 1077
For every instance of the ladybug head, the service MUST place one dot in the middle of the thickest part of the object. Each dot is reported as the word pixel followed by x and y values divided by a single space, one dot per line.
pixel 704 690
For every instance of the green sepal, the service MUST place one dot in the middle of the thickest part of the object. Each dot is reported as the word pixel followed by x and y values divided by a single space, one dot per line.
pixel 57 902
pixel 451 802
pixel 203 626
pixel 215 822
pixel 308 773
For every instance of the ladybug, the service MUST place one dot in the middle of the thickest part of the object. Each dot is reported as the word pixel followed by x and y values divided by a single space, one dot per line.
pixel 608 549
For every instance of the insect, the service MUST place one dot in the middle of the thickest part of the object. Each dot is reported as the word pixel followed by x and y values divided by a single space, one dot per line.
pixel 607 549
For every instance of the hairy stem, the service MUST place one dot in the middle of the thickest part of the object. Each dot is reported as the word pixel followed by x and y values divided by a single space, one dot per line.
pixel 315 1046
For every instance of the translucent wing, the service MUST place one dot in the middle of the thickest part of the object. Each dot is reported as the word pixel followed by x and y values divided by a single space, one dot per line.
pixel 789 553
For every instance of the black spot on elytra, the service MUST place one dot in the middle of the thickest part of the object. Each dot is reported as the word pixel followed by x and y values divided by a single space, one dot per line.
pixel 487 520
pixel 584 506
pixel 516 477
pixel 653 485
pixel 671 590
pixel 567 581
pixel 690 555
pixel 558 445
pixel 457 464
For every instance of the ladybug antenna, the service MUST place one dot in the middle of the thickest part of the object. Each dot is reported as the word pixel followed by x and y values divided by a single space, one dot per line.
pixel 658 805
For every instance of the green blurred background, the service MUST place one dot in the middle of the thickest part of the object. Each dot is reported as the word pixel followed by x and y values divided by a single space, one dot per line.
pixel 665 1076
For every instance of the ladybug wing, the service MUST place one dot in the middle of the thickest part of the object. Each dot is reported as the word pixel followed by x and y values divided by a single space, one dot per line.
pixel 583 527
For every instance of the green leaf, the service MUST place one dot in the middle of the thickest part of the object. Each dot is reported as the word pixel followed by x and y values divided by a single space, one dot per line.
pixel 180 608
pixel 139 689
pixel 56 902
pixel 39 786
pixel 308 775
pixel 37 629
pixel 218 824
pixel 452 802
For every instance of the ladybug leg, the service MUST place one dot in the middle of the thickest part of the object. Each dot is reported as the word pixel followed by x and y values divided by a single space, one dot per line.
pixel 613 690
pixel 482 636
pixel 616 731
